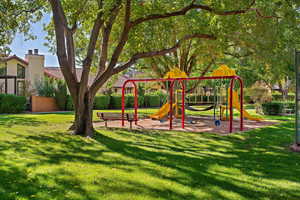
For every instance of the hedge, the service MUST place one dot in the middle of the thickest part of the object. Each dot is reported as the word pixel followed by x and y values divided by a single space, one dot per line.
pixel 10 103
pixel 277 108
pixel 70 105
pixel 152 100
pixel 116 101
pixel 278 97
pixel 101 102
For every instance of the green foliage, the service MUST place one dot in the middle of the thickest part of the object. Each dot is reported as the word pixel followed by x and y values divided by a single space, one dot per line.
pixel 12 104
pixel 101 102
pixel 17 16
pixel 278 108
pixel 259 94
pixel 69 104
pixel 46 87
pixel 116 101
pixel 278 97
pixel 61 94
pixel 273 108
pixel 152 100
pixel 248 99
pixel 129 99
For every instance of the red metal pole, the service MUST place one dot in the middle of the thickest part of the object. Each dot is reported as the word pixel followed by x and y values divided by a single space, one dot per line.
pixel 123 102
pixel 135 103
pixel 241 104
pixel 230 106
pixel 172 80
pixel 171 105
pixel 182 105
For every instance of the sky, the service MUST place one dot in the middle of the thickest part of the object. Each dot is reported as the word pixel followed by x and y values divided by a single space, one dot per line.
pixel 20 47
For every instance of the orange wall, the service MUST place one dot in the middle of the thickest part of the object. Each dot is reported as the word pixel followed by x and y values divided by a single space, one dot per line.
pixel 43 104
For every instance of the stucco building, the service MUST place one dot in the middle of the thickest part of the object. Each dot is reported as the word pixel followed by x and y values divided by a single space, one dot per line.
pixel 15 72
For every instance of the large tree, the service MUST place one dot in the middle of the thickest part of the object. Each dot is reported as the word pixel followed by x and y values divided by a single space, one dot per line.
pixel 108 34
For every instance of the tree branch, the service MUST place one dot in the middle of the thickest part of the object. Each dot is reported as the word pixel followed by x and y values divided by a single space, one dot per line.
pixel 91 50
pixel 184 10
pixel 124 36
pixel 118 50
pixel 207 68
pixel 137 56
pixel 105 39
pixel 60 25
pixel 192 6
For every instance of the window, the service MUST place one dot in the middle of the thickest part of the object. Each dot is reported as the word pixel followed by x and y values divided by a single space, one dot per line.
pixel 3 69
pixel 21 88
pixel 20 71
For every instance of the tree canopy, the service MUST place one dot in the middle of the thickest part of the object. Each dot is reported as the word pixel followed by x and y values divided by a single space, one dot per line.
pixel 17 16
pixel 113 35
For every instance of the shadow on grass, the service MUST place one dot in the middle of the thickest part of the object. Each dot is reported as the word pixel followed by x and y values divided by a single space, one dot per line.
pixel 204 162
pixel 261 155
pixel 12 120
pixel 16 183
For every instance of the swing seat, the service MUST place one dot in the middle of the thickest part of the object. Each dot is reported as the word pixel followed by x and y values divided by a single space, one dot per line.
pixel 199 110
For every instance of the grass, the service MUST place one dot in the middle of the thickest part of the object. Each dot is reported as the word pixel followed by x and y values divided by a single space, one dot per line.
pixel 40 160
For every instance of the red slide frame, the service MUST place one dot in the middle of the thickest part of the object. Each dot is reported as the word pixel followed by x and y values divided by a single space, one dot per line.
pixel 173 80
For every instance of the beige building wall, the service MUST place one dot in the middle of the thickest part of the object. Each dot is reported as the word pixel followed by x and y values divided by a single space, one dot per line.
pixel 11 70
pixel 35 71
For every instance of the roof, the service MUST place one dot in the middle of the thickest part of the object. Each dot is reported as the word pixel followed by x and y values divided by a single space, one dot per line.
pixel 14 57
pixel 55 72
pixel 119 83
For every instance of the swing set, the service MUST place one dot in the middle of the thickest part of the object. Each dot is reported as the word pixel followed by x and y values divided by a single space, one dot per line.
pixel 178 103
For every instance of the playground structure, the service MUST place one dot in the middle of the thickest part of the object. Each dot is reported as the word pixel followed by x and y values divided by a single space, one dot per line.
pixel 175 108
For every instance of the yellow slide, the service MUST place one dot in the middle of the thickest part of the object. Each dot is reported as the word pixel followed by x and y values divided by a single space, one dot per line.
pixel 162 112
pixel 236 105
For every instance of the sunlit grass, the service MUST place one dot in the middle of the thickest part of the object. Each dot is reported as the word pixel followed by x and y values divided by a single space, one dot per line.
pixel 41 160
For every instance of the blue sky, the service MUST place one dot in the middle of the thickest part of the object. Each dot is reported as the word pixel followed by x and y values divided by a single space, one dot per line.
pixel 20 47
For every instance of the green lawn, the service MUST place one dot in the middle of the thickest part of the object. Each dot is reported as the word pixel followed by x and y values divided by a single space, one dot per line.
pixel 40 160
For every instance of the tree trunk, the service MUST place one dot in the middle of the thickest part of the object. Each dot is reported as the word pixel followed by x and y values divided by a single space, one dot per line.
pixel 83 123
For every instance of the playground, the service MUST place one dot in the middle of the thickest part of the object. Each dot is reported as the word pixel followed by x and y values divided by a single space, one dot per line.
pixel 203 125
pixel 216 116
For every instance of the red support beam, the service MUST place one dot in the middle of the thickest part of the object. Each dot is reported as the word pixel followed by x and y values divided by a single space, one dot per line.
pixel 173 80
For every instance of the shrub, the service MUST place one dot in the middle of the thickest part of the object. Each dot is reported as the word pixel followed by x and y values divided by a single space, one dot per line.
pixel 291 105
pixel 273 108
pixel 69 104
pixel 278 97
pixel 129 101
pixel 116 101
pixel 12 104
pixel 152 100
pixel 61 94
pixel 141 101
pixel 247 99
pixel 46 87
pixel 101 102
pixel 277 107
pixel 260 94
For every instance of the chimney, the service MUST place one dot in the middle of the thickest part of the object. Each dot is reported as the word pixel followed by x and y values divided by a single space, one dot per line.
pixel 35 69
